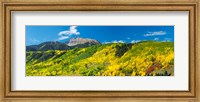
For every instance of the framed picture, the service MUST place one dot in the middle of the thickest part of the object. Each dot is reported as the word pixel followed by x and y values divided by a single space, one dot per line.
pixel 100 50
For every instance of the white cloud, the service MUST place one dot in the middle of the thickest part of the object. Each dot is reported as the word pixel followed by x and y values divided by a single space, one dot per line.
pixel 63 37
pixel 72 31
pixel 156 39
pixel 34 40
pixel 115 41
pixel 166 40
pixel 120 41
pixel 67 33
pixel 128 38
pixel 106 42
pixel 155 33
pixel 135 41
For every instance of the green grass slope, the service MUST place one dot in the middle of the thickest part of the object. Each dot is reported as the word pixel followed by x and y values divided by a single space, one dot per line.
pixel 146 58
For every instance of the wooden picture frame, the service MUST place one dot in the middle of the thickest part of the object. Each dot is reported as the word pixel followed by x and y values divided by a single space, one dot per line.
pixel 96 5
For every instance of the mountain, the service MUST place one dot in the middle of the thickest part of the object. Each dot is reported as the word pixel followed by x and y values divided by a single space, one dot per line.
pixel 147 58
pixel 51 45
pixel 55 45
pixel 32 48
pixel 79 41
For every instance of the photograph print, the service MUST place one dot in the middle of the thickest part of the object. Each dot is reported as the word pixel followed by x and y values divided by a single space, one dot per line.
pixel 99 50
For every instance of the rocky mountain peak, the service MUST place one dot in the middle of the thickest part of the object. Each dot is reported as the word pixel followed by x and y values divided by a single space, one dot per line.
pixel 78 40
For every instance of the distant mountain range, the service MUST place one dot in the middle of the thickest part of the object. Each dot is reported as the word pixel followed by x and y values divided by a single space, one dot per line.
pixel 55 45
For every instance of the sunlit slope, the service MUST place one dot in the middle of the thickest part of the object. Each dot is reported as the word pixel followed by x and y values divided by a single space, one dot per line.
pixel 141 59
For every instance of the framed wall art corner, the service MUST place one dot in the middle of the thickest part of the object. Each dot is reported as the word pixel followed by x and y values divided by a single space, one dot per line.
pixel 99 49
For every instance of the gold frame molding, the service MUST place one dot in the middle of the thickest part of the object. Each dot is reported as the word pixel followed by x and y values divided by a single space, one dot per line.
pixel 119 5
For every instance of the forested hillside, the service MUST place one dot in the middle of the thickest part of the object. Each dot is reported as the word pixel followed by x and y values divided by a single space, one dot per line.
pixel 147 58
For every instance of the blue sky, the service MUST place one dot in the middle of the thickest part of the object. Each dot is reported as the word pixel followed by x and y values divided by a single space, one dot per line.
pixel 104 34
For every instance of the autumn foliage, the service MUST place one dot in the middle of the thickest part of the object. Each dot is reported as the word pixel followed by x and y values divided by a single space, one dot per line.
pixel 147 58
